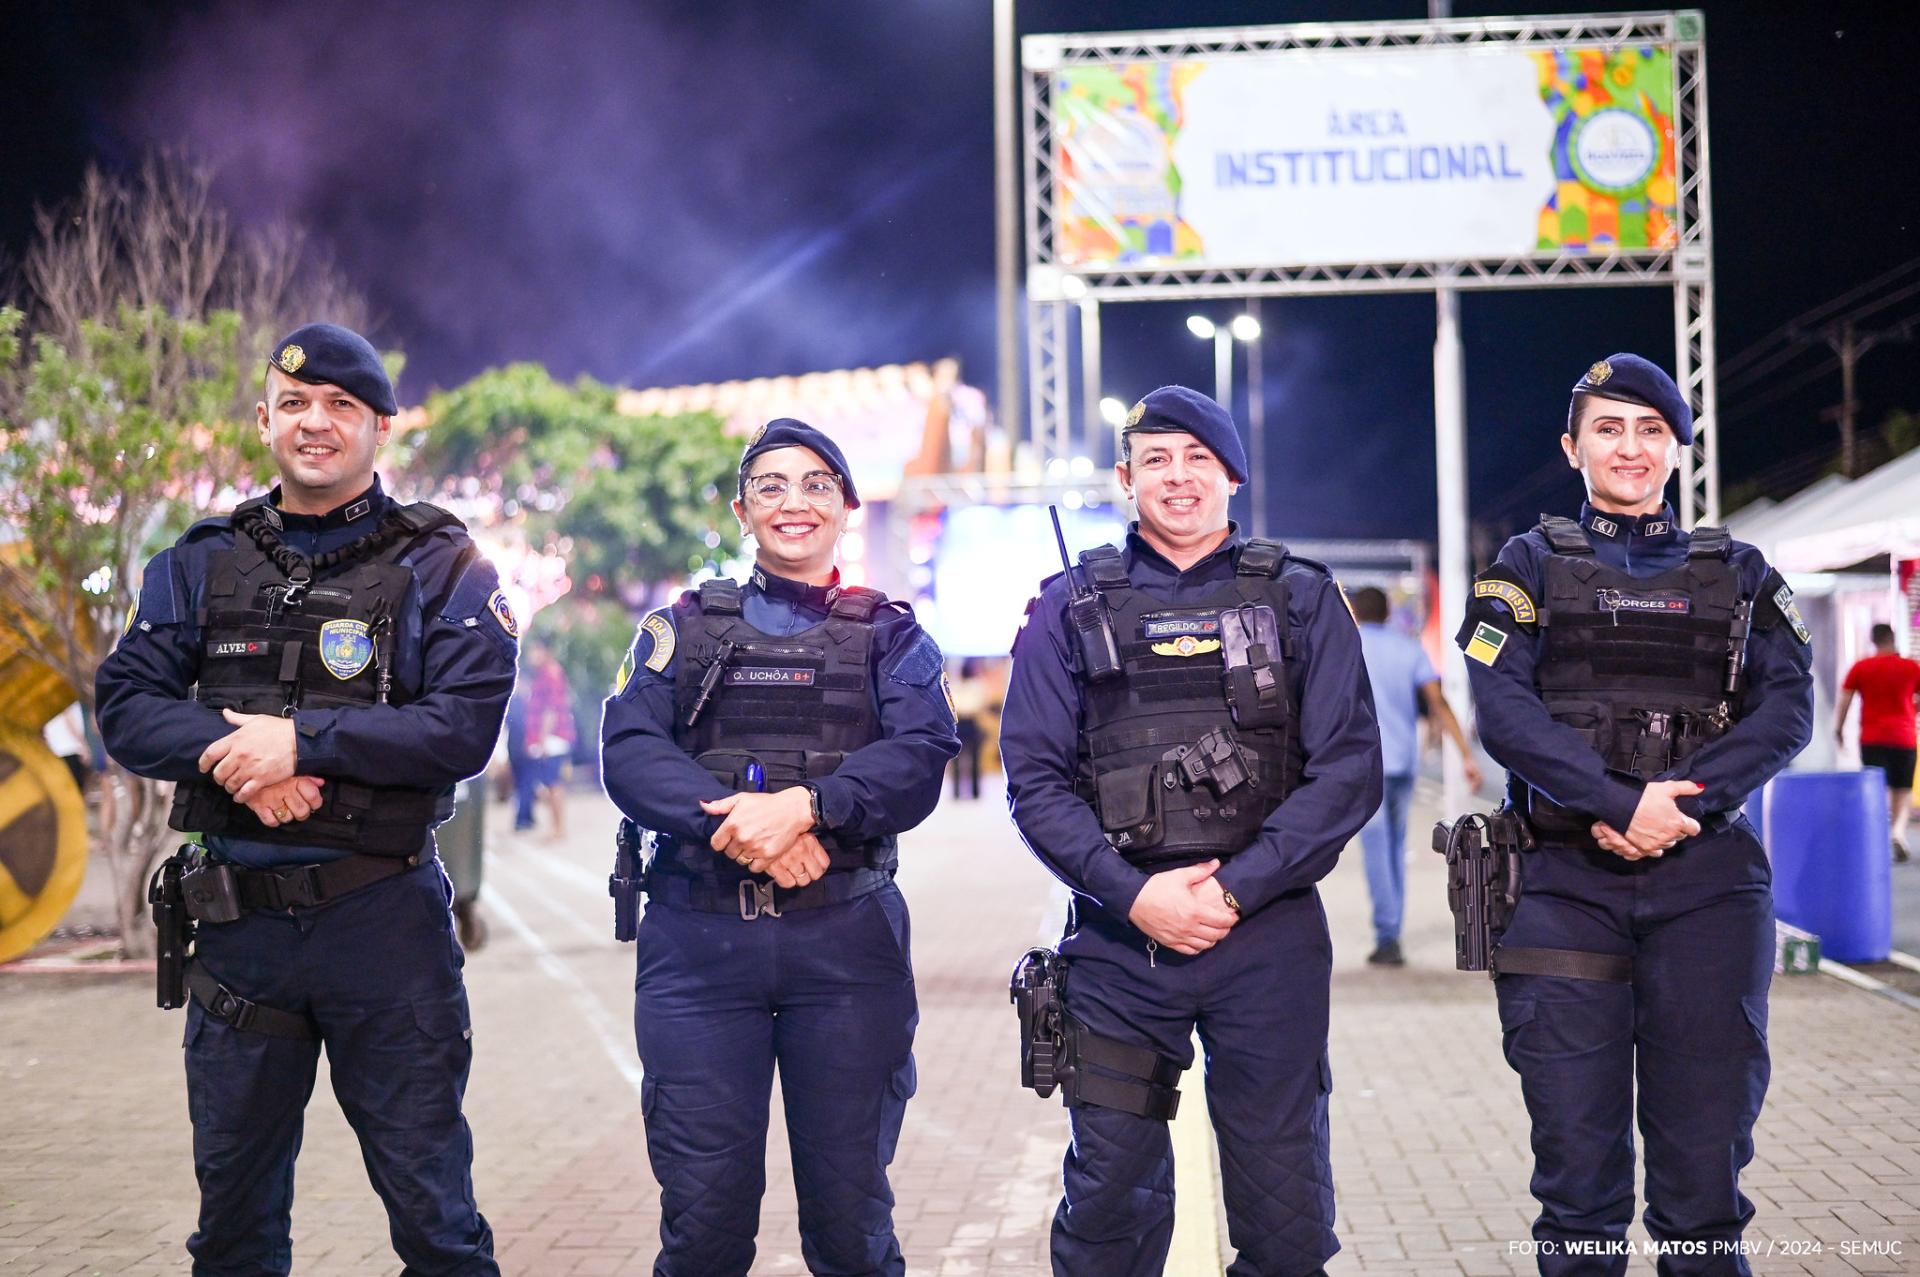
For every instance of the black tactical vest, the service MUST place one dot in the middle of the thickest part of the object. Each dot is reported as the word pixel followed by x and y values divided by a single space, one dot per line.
pixel 281 633
pixel 1190 749
pixel 794 706
pixel 1646 669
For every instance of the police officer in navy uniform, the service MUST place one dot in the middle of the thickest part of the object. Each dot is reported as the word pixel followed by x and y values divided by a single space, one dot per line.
pixel 1638 682
pixel 316 671
pixel 776 738
pixel 1190 783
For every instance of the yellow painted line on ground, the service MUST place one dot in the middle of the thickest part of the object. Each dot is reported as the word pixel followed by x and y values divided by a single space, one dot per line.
pixel 1195 1251
pixel 18 794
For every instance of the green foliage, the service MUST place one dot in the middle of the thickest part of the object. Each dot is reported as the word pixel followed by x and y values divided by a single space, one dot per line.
pixel 111 442
pixel 1900 431
pixel 632 502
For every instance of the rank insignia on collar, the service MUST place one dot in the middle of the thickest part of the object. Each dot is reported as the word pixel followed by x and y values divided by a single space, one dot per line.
pixel 346 648
pixel 660 630
pixel 291 359
pixel 1605 527
pixel 503 613
pixel 1658 528
pixel 1600 373
pixel 1186 645
pixel 272 515
pixel 1510 594
pixel 759 578
pixel 358 510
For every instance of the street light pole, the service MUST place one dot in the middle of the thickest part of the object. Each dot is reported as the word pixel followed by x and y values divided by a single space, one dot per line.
pixel 1006 221
pixel 1257 424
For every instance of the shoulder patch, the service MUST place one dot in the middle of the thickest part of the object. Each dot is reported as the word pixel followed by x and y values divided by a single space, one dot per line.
pixel 503 613
pixel 661 642
pixel 1783 600
pixel 920 664
pixel 1349 602
pixel 1485 644
pixel 1510 594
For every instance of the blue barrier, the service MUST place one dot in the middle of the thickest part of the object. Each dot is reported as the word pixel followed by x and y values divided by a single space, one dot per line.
pixel 1832 874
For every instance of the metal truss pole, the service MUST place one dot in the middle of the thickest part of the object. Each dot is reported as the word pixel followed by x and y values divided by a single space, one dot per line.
pixel 1006 219
pixel 1693 331
pixel 1450 466
pixel 1090 375
pixel 1048 335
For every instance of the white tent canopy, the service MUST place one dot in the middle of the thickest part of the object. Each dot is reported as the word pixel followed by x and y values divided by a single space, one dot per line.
pixel 1836 523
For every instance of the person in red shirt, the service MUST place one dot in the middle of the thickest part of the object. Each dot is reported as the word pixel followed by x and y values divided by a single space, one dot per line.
pixel 1889 688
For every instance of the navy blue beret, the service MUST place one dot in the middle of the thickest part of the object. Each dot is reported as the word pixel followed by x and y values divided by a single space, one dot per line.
pixel 785 432
pixel 1178 410
pixel 1636 380
pixel 327 354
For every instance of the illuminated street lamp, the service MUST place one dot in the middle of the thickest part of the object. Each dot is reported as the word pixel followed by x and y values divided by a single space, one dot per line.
pixel 1113 412
pixel 1244 328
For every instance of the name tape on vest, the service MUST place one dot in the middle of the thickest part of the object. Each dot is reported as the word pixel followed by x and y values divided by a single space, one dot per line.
pixel 764 674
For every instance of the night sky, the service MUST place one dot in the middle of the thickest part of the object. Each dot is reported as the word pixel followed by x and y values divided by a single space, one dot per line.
pixel 677 192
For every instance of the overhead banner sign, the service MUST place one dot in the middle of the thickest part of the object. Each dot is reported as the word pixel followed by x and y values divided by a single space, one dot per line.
pixel 1360 155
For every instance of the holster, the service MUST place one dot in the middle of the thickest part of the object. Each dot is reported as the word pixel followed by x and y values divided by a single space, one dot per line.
pixel 1484 857
pixel 173 929
pixel 627 880
pixel 1058 1050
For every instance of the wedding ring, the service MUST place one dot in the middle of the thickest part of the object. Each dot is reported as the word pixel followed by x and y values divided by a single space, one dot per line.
pixel 281 813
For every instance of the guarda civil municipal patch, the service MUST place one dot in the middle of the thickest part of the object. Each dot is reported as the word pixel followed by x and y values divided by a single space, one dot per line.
pixel 1512 595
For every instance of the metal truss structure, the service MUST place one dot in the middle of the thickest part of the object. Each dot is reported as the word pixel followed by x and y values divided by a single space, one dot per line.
pixel 1687 267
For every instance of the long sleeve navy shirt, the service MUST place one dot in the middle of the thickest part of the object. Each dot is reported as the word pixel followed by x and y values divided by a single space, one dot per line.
pixel 1300 841
pixel 883 788
pixel 454 661
pixel 1777 708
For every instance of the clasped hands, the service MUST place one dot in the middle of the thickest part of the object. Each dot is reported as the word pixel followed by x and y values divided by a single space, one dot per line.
pixel 1184 909
pixel 1657 823
pixel 255 762
pixel 770 834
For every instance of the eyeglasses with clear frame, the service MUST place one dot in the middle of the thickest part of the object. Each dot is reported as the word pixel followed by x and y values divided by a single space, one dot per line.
pixel 819 487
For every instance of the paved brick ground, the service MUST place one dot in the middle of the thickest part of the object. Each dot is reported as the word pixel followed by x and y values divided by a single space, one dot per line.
pixel 1429 1154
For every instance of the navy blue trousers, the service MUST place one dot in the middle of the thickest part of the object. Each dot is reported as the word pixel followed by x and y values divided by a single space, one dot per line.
pixel 827 996
pixel 1690 1031
pixel 1259 1001
pixel 379 972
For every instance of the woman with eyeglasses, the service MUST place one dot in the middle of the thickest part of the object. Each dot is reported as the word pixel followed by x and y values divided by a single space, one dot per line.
pixel 775 737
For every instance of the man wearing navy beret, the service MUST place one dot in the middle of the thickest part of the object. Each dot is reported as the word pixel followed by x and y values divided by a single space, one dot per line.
pixel 1638 681
pixel 777 737
pixel 318 670
pixel 1188 747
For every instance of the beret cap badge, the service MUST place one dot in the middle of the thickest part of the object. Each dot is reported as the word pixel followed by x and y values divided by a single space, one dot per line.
pixel 759 433
pixel 291 358
pixel 1598 374
pixel 1139 411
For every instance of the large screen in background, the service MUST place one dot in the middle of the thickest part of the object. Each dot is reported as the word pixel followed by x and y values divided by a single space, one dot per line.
pixel 990 560
pixel 1334 156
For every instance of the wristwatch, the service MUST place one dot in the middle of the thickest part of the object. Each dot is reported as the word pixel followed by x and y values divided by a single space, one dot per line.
pixel 813 802
pixel 1232 903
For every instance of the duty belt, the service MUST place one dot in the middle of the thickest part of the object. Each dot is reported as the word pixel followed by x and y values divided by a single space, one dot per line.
pixel 218 890
pixel 752 899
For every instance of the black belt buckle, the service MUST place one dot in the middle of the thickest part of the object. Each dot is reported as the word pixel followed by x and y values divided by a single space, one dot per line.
pixel 756 900
pixel 211 892
pixel 234 1010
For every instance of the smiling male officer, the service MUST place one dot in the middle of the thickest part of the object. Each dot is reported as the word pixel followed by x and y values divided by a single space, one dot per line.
pixel 1638 682
pixel 317 670
pixel 1190 756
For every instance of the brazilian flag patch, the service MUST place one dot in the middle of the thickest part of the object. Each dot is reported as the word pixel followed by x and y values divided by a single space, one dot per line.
pixel 1486 643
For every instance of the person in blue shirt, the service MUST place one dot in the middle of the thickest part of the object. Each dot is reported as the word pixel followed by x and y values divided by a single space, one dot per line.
pixel 776 738
pixel 1638 682
pixel 317 671
pixel 1190 774
pixel 1403 679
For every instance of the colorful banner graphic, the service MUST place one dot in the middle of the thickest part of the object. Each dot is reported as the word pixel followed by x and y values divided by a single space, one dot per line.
pixel 1340 156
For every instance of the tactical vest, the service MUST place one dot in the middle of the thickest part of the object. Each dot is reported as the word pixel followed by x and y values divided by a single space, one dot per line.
pixel 1646 669
pixel 762 711
pixel 281 633
pixel 1190 749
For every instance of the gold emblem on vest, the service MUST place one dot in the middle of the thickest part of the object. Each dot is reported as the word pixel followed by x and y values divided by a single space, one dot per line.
pixel 1186 645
